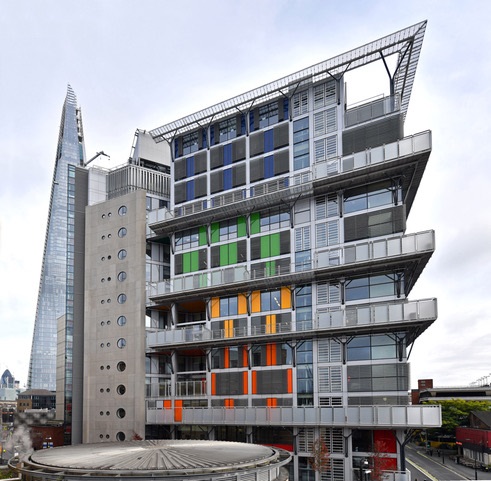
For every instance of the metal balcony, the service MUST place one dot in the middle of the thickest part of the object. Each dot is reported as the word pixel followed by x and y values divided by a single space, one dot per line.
pixel 402 314
pixel 410 251
pixel 382 417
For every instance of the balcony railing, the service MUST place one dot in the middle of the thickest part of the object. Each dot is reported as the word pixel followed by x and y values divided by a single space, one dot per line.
pixel 418 416
pixel 407 146
pixel 343 316
pixel 404 147
pixel 163 389
pixel 367 250
pixel 371 110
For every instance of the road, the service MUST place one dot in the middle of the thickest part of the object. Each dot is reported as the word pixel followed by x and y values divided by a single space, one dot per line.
pixel 434 468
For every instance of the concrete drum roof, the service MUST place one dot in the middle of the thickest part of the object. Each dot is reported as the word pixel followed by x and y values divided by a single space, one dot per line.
pixel 167 457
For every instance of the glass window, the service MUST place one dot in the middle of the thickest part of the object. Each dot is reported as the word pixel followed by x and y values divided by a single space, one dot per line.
pixel 228 306
pixel 121 320
pixel 120 436
pixel 301 157
pixel 122 254
pixel 121 343
pixel 122 232
pixel 122 276
pixel 187 239
pixel 122 298
pixel 122 210
pixel 121 366
pixel 121 389
pixel 228 129
pixel 371 196
pixel 268 114
pixel 121 413
pixel 271 300
pixel 190 143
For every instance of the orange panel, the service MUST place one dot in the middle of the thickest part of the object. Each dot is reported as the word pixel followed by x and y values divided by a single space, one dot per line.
pixel 226 357
pixel 229 328
pixel 270 354
pixel 254 382
pixel 244 382
pixel 286 299
pixel 242 304
pixel 167 404
pixel 178 410
pixel 215 307
pixel 289 380
pixel 213 384
pixel 245 362
pixel 256 301
pixel 229 403
pixel 271 402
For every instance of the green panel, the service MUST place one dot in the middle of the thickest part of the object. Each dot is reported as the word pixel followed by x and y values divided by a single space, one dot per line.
pixel 275 244
pixel 186 262
pixel 202 236
pixel 215 232
pixel 232 253
pixel 224 255
pixel 255 223
pixel 194 261
pixel 265 246
pixel 270 268
pixel 241 227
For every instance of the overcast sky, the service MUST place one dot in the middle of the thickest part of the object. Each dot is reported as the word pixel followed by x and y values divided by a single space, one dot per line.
pixel 141 64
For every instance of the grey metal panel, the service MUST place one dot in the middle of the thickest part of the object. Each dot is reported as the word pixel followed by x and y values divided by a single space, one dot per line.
pixel 285 242
pixel 200 186
pixel 178 264
pixel 216 182
pixel 281 135
pixel 373 134
pixel 215 256
pixel 239 149
pixel 217 133
pixel 281 162
pixel 179 146
pixel 281 110
pixel 256 143
pixel 257 169
pixel 216 157
pixel 179 169
pixel 200 162
pixel 179 192
pixel 239 175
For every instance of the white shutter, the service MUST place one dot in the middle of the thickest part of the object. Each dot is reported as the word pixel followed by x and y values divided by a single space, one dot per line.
pixel 331 120
pixel 321 235
pixel 301 103
pixel 332 205
pixel 324 378
pixel 333 232
pixel 334 293
pixel 319 96
pixel 302 238
pixel 322 293
pixel 331 148
pixel 319 124
pixel 320 208
pixel 319 150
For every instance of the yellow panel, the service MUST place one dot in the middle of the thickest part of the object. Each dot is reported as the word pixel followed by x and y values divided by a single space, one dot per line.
pixel 256 301
pixel 229 328
pixel 215 307
pixel 286 300
pixel 242 304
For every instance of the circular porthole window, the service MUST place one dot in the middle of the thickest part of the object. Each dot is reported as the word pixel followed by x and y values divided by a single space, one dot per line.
pixel 121 343
pixel 120 436
pixel 122 276
pixel 121 366
pixel 122 232
pixel 121 413
pixel 121 320
pixel 122 254
pixel 121 389
pixel 122 298
pixel 122 210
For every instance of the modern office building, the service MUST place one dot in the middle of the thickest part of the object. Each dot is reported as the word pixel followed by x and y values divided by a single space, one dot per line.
pixel 262 295
pixel 56 286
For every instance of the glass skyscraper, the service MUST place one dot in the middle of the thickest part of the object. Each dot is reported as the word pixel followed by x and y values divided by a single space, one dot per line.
pixel 56 296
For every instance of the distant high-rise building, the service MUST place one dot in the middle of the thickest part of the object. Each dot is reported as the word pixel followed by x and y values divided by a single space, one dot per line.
pixel 56 286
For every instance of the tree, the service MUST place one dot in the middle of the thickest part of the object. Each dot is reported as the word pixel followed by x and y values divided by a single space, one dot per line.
pixel 380 460
pixel 455 412
pixel 320 460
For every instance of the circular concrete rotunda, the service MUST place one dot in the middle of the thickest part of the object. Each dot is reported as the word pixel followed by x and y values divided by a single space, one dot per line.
pixel 164 459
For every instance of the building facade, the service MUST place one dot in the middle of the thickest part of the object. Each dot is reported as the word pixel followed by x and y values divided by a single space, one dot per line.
pixel 56 286
pixel 269 301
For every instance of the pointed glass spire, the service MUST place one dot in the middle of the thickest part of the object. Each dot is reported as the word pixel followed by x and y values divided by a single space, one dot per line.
pixel 55 297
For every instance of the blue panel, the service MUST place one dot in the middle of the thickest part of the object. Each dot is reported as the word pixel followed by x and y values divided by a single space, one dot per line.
pixel 205 141
pixel 268 167
pixel 242 125
pixel 212 135
pixel 227 179
pixel 190 190
pixel 251 121
pixel 268 141
pixel 190 166
pixel 285 109
pixel 227 154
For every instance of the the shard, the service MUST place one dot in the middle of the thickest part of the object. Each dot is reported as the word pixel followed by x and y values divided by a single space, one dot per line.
pixel 56 296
